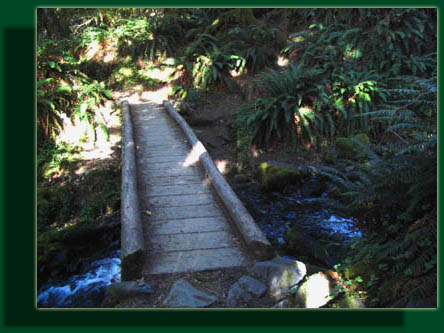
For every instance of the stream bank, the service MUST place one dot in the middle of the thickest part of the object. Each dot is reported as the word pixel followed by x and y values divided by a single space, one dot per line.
pixel 275 213
pixel 297 224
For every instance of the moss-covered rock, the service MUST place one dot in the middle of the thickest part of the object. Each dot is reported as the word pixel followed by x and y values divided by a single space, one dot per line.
pixel 274 178
pixel 353 148
pixel 363 138
pixel 350 302
pixel 329 157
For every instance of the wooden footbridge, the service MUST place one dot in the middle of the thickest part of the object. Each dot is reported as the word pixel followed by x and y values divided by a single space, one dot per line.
pixel 178 212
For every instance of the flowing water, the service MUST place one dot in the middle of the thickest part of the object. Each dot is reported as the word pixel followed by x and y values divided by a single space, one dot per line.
pixel 83 290
pixel 274 213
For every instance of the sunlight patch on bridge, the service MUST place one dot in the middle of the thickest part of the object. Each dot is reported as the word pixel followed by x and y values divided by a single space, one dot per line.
pixel 194 155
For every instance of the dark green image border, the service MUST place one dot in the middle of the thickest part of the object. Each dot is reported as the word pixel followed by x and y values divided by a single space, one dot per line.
pixel 17 207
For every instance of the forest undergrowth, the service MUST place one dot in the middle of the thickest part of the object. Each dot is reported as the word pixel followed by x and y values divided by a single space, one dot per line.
pixel 355 88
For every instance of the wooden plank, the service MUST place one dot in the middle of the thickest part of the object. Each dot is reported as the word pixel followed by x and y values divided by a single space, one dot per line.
pixel 191 241
pixel 162 159
pixel 180 165
pixel 201 224
pixel 175 180
pixel 170 151
pixel 173 213
pixel 150 173
pixel 196 260
pixel 162 190
pixel 182 200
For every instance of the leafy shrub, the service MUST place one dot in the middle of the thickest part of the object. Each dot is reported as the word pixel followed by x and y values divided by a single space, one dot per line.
pixel 255 45
pixel 354 95
pixel 63 90
pixel 92 39
pixel 345 73
pixel 386 40
pixel 207 62
pixel 150 38
pixel 395 198
pixel 297 109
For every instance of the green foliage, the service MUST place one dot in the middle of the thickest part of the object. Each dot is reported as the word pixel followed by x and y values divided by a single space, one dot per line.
pixel 403 182
pixel 63 90
pixel 255 45
pixel 92 37
pixel 394 198
pixel 399 268
pixel 207 62
pixel 148 38
pixel 297 109
pixel 53 156
pixel 127 75
pixel 386 40
pixel 244 135
pixel 296 81
pixel 84 198
pixel 308 105
pixel 210 60
pixel 209 70
pixel 91 95
pixel 347 70
pixel 354 94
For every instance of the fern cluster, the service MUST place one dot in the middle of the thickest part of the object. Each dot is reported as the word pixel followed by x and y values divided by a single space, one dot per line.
pixel 386 40
pixel 315 105
pixel 360 55
pixel 394 197
pixel 256 45
pixel 284 113
pixel 64 90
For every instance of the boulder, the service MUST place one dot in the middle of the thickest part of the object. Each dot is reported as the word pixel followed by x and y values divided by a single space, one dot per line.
pixel 351 302
pixel 240 179
pixel 279 275
pixel 243 291
pixel 313 188
pixel 117 292
pixel 329 157
pixel 354 148
pixel 284 304
pixel 299 242
pixel 252 286
pixel 314 292
pixel 273 177
pixel 184 295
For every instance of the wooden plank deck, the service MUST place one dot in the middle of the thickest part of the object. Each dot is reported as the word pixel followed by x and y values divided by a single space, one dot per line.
pixel 185 229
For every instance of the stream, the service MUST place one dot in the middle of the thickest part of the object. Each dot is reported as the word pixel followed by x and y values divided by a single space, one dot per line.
pixel 86 290
pixel 274 213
